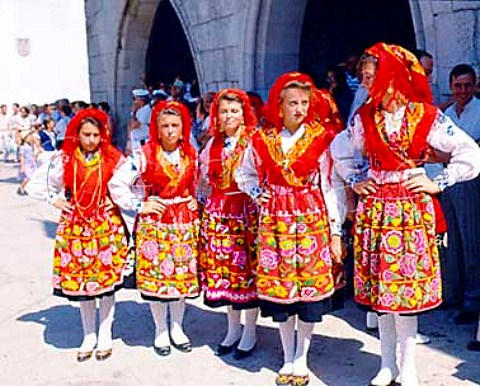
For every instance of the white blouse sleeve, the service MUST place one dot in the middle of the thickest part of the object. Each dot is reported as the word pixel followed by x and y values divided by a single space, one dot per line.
pixel 124 185
pixel 46 183
pixel 204 189
pixel 246 175
pixel 333 189
pixel 347 152
pixel 464 162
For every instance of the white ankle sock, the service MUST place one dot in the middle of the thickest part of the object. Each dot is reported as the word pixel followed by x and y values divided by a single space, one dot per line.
pixel 234 328
pixel 177 310
pixel 388 348
pixel 407 330
pixel 106 310
pixel 304 336
pixel 287 335
pixel 372 320
pixel 87 312
pixel 159 313
pixel 249 336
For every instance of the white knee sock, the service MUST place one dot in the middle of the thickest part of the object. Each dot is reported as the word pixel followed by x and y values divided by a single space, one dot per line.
pixel 287 335
pixel 249 337
pixel 407 330
pixel 234 328
pixel 388 348
pixel 372 320
pixel 87 312
pixel 177 309
pixel 106 310
pixel 304 336
pixel 159 313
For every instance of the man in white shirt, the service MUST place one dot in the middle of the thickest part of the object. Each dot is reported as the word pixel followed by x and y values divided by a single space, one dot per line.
pixel 139 125
pixel 462 201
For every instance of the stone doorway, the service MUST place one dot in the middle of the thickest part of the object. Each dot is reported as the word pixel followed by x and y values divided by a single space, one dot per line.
pixel 168 57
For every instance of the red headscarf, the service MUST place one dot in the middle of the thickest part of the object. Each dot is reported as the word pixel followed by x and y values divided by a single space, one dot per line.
pixel 272 108
pixel 249 119
pixel 186 147
pixel 154 174
pixel 400 70
pixel 92 191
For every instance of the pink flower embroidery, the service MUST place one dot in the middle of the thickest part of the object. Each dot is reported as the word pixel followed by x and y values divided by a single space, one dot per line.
pixel 76 248
pixel 106 257
pixel 269 259
pixel 326 256
pixel 387 275
pixel 426 262
pixel 92 286
pixel 419 241
pixel 172 291
pixel 150 249
pixel 167 267
pixel 239 257
pixel 408 265
pixel 307 245
pixel 65 258
pixel 308 292
pixel 301 228
pixel 409 292
pixel 56 280
pixel 192 266
pixel 393 241
pixel 391 209
pixel 387 299
pixel 436 285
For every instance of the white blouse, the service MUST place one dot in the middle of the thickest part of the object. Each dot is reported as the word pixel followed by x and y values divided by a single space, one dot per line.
pixel 333 190
pixel 445 136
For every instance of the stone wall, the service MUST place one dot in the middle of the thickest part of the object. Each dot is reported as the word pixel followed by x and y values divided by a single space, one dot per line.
pixel 247 43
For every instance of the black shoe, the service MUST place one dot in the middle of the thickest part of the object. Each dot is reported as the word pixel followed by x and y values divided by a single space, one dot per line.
pixel 183 347
pixel 466 317
pixel 224 350
pixel 163 351
pixel 242 354
pixel 473 345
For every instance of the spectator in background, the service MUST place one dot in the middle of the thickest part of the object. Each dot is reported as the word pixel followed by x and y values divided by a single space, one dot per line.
pixel 5 137
pixel 201 126
pixel 138 127
pixel 78 106
pixel 351 73
pixel 61 127
pixel 462 201
pixel 340 90
pixel 27 160
pixel 46 135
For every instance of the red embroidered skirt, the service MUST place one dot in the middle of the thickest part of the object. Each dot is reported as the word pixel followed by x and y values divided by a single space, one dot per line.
pixel 90 257
pixel 228 254
pixel 397 266
pixel 295 262
pixel 167 252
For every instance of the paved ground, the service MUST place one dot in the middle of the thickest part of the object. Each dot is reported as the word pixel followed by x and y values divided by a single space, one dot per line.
pixel 39 332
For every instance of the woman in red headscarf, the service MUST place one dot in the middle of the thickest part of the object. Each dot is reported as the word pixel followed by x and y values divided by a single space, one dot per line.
pixel 397 267
pixel 228 256
pixel 167 224
pixel 91 242
pixel 287 170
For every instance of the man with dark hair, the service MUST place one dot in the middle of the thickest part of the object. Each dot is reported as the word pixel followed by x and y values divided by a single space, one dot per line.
pixel 60 129
pixel 462 201
pixel 426 60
